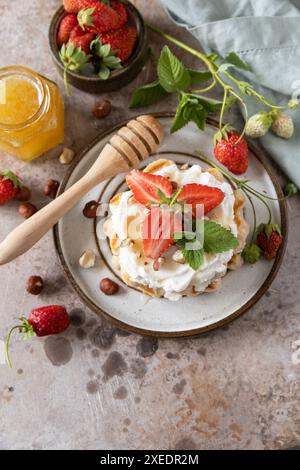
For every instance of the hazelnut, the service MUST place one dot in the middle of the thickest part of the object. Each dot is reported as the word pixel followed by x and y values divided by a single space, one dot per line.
pixel 90 209
pixel 67 156
pixel 87 259
pixel 23 195
pixel 26 210
pixel 34 285
pixel 51 188
pixel 108 287
pixel 102 109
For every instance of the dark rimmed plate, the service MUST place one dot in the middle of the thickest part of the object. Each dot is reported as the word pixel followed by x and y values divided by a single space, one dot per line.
pixel 132 310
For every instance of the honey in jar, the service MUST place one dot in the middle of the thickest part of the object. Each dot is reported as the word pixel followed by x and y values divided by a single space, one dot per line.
pixel 31 113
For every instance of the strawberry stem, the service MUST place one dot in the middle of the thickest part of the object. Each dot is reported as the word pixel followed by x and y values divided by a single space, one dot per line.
pixel 19 327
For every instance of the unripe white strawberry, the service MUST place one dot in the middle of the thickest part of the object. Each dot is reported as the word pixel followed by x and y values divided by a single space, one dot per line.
pixel 258 125
pixel 283 126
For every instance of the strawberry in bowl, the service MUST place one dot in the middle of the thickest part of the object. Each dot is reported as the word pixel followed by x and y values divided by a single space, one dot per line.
pixel 98 46
pixel 176 231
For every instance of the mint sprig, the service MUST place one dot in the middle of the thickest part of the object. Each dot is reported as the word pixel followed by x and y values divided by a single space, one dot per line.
pixel 207 237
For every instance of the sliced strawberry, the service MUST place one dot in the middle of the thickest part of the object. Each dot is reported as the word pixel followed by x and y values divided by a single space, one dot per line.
pixel 195 194
pixel 145 187
pixel 158 229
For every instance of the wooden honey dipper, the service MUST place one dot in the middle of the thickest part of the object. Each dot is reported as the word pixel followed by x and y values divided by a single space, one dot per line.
pixel 126 150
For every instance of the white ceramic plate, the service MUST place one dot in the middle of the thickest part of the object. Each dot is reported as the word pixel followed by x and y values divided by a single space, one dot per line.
pixel 133 310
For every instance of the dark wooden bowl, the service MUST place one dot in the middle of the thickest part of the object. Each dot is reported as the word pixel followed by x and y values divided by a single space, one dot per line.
pixel 118 78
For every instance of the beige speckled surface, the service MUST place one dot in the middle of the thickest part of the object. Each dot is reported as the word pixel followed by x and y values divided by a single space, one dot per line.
pixel 94 387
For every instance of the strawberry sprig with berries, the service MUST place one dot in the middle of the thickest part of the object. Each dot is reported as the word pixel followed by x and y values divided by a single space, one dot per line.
pixel 171 210
pixel 266 238
pixel 194 105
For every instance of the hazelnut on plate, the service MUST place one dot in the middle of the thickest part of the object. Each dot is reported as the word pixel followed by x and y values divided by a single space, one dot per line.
pixel 90 209
pixel 108 287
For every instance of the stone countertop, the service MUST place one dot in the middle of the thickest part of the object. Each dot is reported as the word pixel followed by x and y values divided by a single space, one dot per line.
pixel 96 387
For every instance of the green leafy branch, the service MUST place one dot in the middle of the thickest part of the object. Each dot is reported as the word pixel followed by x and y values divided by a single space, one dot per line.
pixel 174 77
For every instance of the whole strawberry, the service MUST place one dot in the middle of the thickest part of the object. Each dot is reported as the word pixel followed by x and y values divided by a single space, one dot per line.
pixel 232 153
pixel 74 6
pixel 269 240
pixel 43 321
pixel 258 125
pixel 123 40
pixel 9 186
pixel 98 19
pixel 67 24
pixel 283 126
pixel 121 11
pixel 83 42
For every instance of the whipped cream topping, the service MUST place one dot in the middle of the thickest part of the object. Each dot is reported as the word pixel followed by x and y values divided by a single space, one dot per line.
pixel 174 278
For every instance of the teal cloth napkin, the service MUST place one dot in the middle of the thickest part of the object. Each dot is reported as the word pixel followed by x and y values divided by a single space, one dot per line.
pixel 266 34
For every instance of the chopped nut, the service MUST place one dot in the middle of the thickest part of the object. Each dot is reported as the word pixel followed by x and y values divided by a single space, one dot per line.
pixel 67 156
pixel 90 209
pixel 23 195
pixel 178 257
pixel 34 285
pixel 87 259
pixel 51 188
pixel 26 210
pixel 184 166
pixel 157 263
pixel 102 109
pixel 108 287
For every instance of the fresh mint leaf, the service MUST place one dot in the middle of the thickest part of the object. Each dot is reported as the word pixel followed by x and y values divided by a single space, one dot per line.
pixel 180 120
pixel 189 109
pixel 172 74
pixel 233 59
pixel 218 239
pixel 198 77
pixel 147 94
pixel 209 104
pixel 194 258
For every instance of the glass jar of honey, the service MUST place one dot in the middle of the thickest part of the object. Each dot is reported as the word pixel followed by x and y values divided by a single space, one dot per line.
pixel 31 113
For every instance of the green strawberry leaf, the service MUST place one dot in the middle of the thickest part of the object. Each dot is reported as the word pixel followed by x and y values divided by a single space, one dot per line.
pixel 233 59
pixel 84 17
pixel 218 239
pixel 104 72
pixel 8 175
pixel 147 94
pixel 172 74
